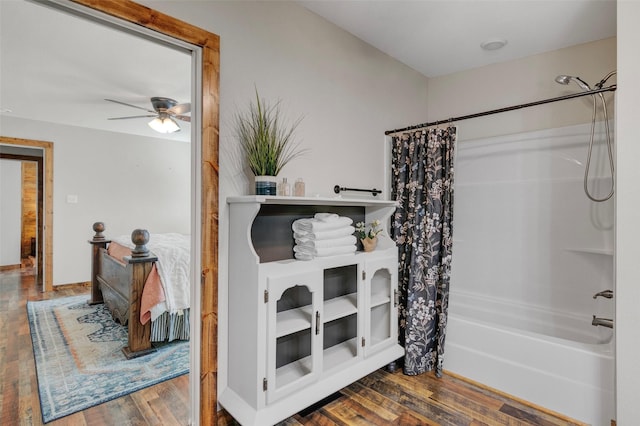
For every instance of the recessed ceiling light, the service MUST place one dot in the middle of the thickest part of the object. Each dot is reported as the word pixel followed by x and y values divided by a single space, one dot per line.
pixel 493 44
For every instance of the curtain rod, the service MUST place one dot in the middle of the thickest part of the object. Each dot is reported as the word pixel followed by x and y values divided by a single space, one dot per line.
pixel 611 88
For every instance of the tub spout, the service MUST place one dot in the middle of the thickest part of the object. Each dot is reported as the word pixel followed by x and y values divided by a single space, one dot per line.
pixel 604 293
pixel 605 322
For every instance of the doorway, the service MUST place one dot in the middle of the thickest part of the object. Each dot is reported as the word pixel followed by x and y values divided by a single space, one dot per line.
pixel 24 150
pixel 30 180
pixel 204 46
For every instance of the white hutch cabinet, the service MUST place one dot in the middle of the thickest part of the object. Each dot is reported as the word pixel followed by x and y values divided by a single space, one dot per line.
pixel 298 331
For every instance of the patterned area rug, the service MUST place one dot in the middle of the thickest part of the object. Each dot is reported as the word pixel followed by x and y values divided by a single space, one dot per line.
pixel 79 361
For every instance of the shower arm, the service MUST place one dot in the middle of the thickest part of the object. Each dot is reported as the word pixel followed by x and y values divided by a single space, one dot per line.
pixel 604 80
pixel 584 86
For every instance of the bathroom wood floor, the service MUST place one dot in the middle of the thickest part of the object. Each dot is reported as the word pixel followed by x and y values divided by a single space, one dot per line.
pixel 381 398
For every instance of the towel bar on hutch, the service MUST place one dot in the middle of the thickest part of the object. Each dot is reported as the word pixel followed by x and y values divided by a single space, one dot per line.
pixel 339 188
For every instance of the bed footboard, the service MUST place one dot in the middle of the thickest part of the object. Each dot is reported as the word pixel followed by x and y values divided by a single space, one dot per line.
pixel 120 287
pixel 98 243
pixel 115 281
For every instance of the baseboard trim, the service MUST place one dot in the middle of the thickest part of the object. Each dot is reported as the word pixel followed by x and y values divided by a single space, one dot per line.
pixel 10 267
pixel 72 285
pixel 515 398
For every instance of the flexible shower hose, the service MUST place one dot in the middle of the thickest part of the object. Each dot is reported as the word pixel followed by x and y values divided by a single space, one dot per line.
pixel 610 151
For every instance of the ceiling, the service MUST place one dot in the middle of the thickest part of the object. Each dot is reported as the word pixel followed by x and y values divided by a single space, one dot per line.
pixel 59 68
pixel 443 37
pixel 49 73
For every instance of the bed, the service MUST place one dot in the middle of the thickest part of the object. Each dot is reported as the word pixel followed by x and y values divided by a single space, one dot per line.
pixel 144 282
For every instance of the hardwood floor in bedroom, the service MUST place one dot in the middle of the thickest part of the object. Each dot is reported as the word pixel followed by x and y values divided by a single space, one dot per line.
pixel 381 398
pixel 166 403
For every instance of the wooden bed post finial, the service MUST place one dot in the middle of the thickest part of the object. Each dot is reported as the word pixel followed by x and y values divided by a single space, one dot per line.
pixel 140 237
pixel 98 228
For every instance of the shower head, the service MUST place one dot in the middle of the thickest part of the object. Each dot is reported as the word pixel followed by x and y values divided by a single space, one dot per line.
pixel 566 79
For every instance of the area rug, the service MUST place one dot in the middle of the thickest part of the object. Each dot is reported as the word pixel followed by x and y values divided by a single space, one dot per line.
pixel 79 361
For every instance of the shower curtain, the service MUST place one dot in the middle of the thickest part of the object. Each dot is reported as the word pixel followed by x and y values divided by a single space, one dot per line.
pixel 422 183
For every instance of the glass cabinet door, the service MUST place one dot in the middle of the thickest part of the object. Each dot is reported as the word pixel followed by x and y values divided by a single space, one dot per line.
pixel 380 285
pixel 341 323
pixel 294 349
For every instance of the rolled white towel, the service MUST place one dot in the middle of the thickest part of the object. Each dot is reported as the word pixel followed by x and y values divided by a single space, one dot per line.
pixel 303 256
pixel 332 242
pixel 325 251
pixel 326 217
pixel 325 235
pixel 316 225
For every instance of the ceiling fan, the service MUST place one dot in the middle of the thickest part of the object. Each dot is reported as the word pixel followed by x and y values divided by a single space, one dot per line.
pixel 165 112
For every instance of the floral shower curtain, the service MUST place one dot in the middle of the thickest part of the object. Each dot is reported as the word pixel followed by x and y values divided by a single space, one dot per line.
pixel 422 183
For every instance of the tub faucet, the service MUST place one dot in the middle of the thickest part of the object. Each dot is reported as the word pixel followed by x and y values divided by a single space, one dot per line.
pixel 605 322
pixel 604 293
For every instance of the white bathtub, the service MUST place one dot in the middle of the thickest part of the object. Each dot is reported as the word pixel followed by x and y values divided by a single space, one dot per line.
pixel 530 251
pixel 560 362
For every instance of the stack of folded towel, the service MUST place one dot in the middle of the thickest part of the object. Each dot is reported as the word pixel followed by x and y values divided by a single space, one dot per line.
pixel 326 234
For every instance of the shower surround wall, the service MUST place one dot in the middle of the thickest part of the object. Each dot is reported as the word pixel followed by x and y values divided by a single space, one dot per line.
pixel 530 251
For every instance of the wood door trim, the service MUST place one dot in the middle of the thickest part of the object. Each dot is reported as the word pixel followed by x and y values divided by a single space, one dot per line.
pixel 40 208
pixel 210 73
pixel 48 202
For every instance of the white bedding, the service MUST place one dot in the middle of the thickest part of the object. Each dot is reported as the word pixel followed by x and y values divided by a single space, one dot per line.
pixel 172 251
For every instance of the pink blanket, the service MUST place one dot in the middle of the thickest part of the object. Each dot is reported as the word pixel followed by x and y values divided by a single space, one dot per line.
pixel 152 294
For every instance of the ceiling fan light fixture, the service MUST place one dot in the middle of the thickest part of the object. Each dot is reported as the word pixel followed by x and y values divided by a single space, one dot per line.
pixel 164 125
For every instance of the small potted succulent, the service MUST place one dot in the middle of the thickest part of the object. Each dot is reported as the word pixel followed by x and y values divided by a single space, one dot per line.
pixel 267 143
pixel 368 234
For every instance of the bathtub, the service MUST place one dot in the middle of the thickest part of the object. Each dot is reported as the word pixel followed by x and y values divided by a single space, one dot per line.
pixel 555 360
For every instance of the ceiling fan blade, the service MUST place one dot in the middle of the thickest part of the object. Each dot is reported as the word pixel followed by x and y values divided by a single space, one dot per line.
pixel 183 118
pixel 129 105
pixel 180 108
pixel 133 116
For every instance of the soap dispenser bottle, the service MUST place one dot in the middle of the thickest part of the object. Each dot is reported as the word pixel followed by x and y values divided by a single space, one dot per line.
pixel 286 188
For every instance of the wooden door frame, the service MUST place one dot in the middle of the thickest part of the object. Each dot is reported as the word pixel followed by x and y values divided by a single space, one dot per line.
pixel 47 222
pixel 39 209
pixel 209 45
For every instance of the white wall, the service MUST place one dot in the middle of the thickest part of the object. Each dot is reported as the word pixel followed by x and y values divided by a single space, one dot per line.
pixel 348 92
pixel 521 81
pixel 627 324
pixel 10 211
pixel 125 181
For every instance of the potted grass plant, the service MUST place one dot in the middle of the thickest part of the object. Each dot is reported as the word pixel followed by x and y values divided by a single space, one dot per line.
pixel 267 142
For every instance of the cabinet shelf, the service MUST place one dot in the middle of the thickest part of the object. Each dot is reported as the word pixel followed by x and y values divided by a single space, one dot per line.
pixel 293 320
pixel 338 355
pixel 339 307
pixel 376 340
pixel 335 356
pixel 310 201
pixel 379 298
pixel 293 371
